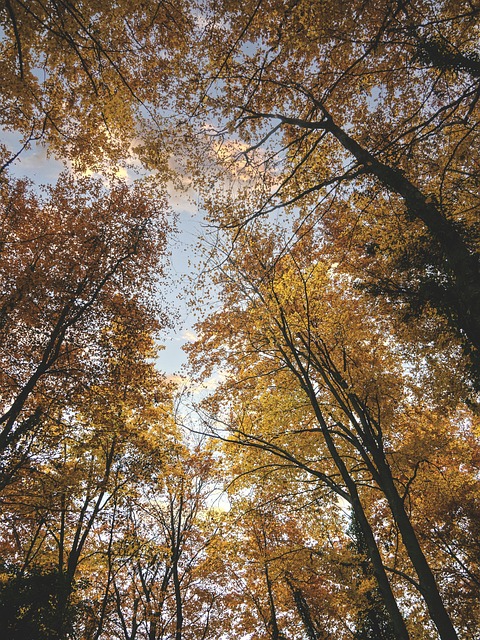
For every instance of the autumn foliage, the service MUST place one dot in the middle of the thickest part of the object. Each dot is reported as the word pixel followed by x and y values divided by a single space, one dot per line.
pixel 321 479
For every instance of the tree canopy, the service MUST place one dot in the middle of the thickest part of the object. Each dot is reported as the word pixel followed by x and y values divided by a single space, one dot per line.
pixel 322 478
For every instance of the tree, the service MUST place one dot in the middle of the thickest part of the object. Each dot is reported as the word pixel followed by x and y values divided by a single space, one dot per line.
pixel 289 565
pixel 160 586
pixel 58 510
pixel 73 261
pixel 289 319
pixel 373 621
pixel 332 148
pixel 82 77
pixel 359 121
pixel 28 605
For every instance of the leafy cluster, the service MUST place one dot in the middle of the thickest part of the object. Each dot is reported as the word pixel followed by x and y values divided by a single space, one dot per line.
pixel 327 485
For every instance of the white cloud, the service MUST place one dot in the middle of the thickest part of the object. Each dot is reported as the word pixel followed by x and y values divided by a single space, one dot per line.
pixel 189 335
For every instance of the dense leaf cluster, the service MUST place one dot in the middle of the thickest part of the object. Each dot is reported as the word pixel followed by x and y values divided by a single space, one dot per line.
pixel 327 484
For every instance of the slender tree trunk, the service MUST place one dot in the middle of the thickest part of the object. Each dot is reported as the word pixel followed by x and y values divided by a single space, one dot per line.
pixel 273 622
pixel 370 448
pixel 298 369
pixel 398 623
pixel 462 263
pixel 303 610
pixel 178 602
pixel 176 550
pixel 428 586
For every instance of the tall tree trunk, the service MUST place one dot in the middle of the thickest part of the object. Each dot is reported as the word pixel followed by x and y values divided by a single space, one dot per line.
pixel 427 583
pixel 398 623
